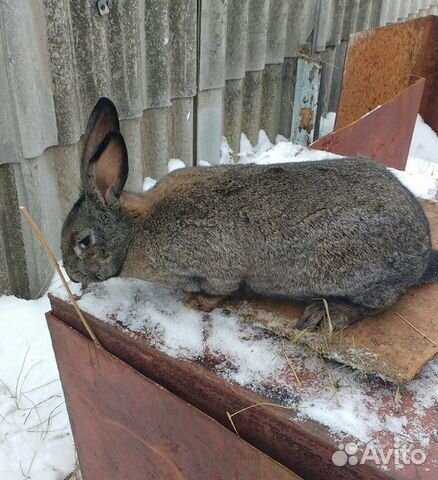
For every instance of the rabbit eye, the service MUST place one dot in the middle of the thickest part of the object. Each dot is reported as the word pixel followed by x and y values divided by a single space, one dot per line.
pixel 84 244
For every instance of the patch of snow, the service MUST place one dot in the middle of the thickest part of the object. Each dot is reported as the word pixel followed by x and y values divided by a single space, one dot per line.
pixel 246 151
pixel 420 166
pixel 148 183
pixel 396 424
pixel 247 355
pixel 226 154
pixel 203 163
pixel 35 435
pixel 327 124
pixel 421 185
pixel 279 138
pixel 352 414
pixel 175 164
pixel 424 142
pixel 425 388
pixel 254 360
pixel 282 152
pixel 263 144
pixel 143 306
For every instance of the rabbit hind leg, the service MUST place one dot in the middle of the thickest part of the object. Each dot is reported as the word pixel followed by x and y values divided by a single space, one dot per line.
pixel 341 313
pixel 344 312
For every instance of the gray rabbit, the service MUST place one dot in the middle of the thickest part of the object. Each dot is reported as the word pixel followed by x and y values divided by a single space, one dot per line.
pixel 343 230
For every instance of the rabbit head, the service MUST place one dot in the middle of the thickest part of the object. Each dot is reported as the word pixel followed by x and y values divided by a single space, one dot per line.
pixel 96 234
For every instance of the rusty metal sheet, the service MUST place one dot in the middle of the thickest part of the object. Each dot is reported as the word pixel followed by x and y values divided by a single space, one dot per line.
pixel 383 134
pixel 378 66
pixel 127 427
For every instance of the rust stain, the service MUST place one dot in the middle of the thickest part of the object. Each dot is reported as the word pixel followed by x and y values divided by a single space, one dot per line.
pixel 379 64
pixel 306 120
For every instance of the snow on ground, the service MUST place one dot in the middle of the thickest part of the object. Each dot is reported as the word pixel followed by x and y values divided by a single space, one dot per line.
pixel 35 437
pixel 175 164
pixel 148 183
pixel 424 144
pixel 327 124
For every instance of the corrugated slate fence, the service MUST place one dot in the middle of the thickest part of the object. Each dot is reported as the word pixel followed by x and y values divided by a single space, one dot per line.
pixel 182 74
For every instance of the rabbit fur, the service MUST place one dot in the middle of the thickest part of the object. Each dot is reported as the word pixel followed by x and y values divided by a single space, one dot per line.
pixel 344 230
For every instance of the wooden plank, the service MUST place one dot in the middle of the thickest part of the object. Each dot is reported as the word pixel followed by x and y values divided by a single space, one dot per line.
pixel 378 66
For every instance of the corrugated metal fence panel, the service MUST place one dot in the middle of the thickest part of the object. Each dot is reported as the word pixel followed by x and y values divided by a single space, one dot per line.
pixel 239 36
pixel 24 41
pixel 246 77
pixel 62 56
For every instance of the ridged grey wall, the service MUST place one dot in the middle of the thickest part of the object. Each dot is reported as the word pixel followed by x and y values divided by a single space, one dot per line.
pixel 182 74
pixel 62 56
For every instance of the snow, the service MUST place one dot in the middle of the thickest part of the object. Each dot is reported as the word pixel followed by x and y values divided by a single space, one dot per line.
pixel 175 164
pixel 253 360
pixel 327 124
pixel 424 142
pixel 148 183
pixel 141 306
pixel 420 184
pixel 226 154
pixel 35 437
pixel 203 163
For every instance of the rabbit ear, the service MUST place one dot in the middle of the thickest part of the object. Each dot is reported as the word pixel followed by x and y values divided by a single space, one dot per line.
pixel 103 119
pixel 108 168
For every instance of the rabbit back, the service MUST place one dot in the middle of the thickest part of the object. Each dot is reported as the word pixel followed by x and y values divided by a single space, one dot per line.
pixel 335 228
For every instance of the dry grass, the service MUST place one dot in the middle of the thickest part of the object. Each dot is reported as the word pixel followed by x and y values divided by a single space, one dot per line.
pixel 55 264
pixel 261 404
pixel 43 424
pixel 289 362
pixel 416 329
pixel 76 473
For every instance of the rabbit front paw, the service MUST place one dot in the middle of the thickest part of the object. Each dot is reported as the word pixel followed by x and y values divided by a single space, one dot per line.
pixel 199 301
